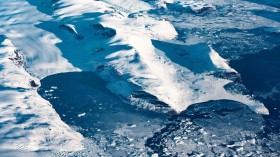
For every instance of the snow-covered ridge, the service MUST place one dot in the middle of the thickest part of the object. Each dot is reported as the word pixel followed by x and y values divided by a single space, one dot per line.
pixel 28 121
pixel 19 25
pixel 141 63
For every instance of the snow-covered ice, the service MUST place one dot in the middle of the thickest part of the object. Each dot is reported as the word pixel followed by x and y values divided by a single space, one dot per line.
pixel 149 53
pixel 28 121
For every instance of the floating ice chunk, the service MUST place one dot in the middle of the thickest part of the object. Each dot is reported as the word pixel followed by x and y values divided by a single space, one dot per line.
pixel 220 62
pixel 154 155
pixel 81 114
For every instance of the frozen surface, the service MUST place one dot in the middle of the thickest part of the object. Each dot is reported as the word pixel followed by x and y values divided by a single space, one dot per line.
pixel 27 121
pixel 130 52
pixel 117 127
pixel 149 62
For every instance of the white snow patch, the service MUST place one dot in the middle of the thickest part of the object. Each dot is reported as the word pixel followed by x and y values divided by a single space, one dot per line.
pixel 37 45
pixel 129 6
pixel 219 61
pixel 28 122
